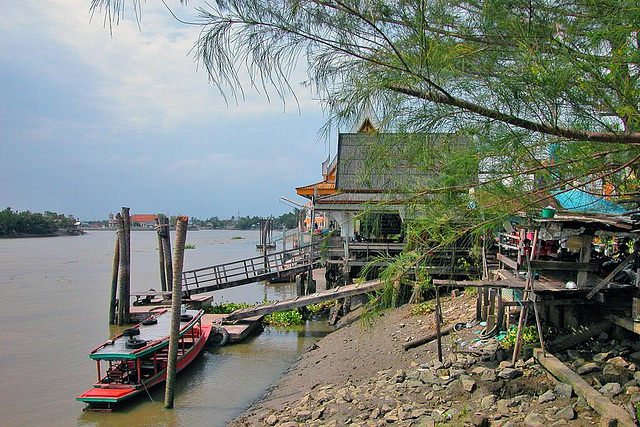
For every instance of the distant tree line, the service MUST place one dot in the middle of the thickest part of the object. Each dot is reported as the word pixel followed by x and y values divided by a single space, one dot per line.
pixel 29 223
pixel 288 220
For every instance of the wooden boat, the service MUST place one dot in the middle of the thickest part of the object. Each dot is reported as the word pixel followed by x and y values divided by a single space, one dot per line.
pixel 136 360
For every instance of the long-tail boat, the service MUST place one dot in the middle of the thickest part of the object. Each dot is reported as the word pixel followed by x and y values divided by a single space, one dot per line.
pixel 136 360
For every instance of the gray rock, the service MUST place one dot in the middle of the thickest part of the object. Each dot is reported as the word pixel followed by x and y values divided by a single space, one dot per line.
pixel 468 385
pixel 587 368
pixel 505 364
pixel 509 373
pixel 533 419
pixel 563 390
pixel 272 420
pixel 566 413
pixel 635 356
pixel 603 337
pixel 601 357
pixel 487 401
pixel 303 416
pixel 317 414
pixel 611 374
pixel 620 362
pixel 400 376
pixel 503 406
pixel 489 375
pixel 611 389
pixel 547 396
pixel 289 424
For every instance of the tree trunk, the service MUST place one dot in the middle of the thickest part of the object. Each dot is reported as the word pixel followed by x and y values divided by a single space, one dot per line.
pixel 176 297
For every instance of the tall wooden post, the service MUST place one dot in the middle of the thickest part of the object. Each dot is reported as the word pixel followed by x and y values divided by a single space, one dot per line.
pixel 265 234
pixel 438 320
pixel 284 238
pixel 122 274
pixel 176 300
pixel 166 241
pixel 163 274
pixel 113 310
pixel 127 235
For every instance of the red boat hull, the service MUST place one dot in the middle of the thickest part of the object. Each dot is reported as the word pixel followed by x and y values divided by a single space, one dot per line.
pixel 109 395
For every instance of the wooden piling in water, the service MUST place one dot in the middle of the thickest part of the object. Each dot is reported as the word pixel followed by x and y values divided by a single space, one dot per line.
pixel 113 307
pixel 122 249
pixel 176 300
pixel 163 273
pixel 166 241
pixel 127 284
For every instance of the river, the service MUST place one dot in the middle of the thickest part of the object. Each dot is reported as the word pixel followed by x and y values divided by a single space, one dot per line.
pixel 53 310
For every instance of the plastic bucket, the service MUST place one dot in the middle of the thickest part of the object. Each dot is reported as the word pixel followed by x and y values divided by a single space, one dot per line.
pixel 548 213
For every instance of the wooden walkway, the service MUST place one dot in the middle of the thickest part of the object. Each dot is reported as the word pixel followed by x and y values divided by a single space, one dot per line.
pixel 328 295
pixel 250 270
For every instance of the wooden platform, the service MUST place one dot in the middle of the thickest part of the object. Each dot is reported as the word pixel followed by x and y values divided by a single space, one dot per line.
pixel 239 330
pixel 328 295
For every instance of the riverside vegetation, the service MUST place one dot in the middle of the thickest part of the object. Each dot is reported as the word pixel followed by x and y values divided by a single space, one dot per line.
pixel 26 223
pixel 280 318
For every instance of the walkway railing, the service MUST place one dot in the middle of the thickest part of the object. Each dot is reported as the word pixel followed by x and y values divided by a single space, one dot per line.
pixel 249 270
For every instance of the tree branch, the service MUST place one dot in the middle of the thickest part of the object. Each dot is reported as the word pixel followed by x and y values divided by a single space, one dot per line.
pixel 572 134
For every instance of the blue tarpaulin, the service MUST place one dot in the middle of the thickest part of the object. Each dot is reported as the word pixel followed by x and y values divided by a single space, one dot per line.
pixel 579 201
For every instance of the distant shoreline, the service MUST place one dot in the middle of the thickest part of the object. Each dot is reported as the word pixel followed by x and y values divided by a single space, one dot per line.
pixel 26 235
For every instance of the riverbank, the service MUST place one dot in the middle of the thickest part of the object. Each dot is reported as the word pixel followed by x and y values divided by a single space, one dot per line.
pixel 364 377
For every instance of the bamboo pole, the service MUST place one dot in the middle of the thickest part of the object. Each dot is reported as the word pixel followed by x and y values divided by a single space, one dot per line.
pixel 127 284
pixel 122 249
pixel 176 300
pixel 113 305
pixel 163 273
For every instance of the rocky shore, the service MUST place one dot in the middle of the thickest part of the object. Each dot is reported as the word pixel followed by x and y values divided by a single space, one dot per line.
pixel 364 377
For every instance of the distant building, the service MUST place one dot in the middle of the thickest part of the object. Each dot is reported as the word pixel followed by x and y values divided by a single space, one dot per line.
pixel 144 220
pixel 140 220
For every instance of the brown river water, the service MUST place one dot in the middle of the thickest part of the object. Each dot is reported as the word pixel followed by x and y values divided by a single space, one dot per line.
pixel 53 310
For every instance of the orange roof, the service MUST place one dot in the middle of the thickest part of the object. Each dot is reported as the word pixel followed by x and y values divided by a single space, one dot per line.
pixel 319 188
pixel 143 218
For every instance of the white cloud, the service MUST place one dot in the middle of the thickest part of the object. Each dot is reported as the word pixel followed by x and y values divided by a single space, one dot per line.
pixel 148 78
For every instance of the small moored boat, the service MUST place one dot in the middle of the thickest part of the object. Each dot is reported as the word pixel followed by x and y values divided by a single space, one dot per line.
pixel 137 359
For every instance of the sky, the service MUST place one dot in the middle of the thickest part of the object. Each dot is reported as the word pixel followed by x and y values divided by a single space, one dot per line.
pixel 91 121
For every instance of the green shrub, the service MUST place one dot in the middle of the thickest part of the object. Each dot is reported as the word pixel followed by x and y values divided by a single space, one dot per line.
pixel 284 318
pixel 321 307
pixel 189 246
pixel 237 238
pixel 508 340
pixel 423 308
pixel 227 307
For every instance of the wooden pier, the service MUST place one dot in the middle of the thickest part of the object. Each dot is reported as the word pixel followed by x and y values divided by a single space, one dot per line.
pixel 250 270
pixel 237 331
pixel 301 301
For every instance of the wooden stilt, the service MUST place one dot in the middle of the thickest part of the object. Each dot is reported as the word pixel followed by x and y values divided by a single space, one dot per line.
pixel 523 312
pixel 438 320
pixel 113 310
pixel 176 300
